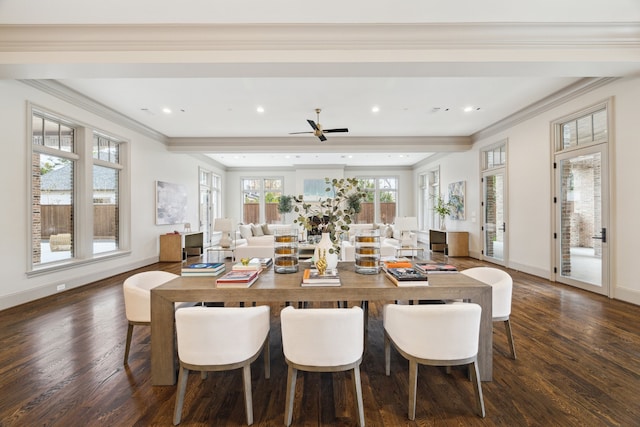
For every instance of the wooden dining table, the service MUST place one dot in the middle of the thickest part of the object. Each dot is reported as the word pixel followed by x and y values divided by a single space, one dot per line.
pixel 276 287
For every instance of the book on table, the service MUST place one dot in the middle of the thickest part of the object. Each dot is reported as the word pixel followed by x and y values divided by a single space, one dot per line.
pixel 203 269
pixel 393 262
pixel 311 277
pixel 250 266
pixel 435 267
pixel 238 279
pixel 266 262
pixel 407 277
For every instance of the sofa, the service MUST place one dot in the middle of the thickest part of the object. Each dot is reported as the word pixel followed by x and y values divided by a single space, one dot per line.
pixel 391 240
pixel 256 240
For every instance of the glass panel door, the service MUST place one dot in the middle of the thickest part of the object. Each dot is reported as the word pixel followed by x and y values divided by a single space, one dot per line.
pixel 206 218
pixel 494 217
pixel 581 246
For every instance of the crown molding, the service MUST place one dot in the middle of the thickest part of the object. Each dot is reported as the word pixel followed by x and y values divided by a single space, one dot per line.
pixel 562 96
pixel 314 37
pixel 60 91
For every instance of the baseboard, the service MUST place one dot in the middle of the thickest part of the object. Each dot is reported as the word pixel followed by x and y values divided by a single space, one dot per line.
pixel 18 298
pixel 627 295
pixel 530 270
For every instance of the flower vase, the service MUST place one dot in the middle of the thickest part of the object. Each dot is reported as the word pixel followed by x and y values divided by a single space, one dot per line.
pixel 326 245
pixel 443 224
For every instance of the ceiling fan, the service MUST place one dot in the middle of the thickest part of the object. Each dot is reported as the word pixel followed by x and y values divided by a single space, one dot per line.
pixel 317 128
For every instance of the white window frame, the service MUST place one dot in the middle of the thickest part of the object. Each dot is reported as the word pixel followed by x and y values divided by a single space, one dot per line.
pixel 83 192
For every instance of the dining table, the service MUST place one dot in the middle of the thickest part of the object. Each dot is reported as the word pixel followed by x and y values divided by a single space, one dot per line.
pixel 274 287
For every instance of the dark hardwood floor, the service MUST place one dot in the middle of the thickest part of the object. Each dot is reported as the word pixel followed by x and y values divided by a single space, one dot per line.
pixel 578 365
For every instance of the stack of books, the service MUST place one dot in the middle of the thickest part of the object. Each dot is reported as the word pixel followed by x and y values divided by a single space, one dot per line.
pixel 238 279
pixel 407 277
pixel 266 262
pixel 435 267
pixel 250 266
pixel 311 277
pixel 202 269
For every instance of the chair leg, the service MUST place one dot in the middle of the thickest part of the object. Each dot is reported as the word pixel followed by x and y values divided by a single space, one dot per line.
pixel 507 326
pixel 477 385
pixel 291 391
pixel 267 358
pixel 413 387
pixel 248 401
pixel 183 375
pixel 387 354
pixel 128 344
pixel 358 390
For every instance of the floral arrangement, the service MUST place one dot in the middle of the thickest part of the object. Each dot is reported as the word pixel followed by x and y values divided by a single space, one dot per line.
pixel 331 215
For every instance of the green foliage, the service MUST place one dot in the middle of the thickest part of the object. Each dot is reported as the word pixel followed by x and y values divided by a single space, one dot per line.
pixel 285 204
pixel 441 207
pixel 335 213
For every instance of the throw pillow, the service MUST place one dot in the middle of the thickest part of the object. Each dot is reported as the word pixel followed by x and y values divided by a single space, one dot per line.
pixel 245 230
pixel 257 230
pixel 265 230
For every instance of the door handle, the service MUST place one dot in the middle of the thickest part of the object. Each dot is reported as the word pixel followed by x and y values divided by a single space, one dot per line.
pixel 602 236
pixel 504 227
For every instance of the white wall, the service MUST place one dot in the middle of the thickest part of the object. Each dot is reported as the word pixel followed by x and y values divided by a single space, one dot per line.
pixel 530 193
pixel 149 162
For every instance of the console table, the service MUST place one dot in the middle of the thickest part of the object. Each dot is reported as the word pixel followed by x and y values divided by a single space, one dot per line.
pixel 454 243
pixel 272 287
pixel 174 246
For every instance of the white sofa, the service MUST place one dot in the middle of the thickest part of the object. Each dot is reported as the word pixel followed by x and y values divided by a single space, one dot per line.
pixel 256 240
pixel 391 241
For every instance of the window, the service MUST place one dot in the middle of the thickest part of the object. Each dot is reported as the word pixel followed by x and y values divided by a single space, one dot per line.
pixel 209 202
pixel 381 202
pixel 589 128
pixel 430 189
pixel 71 221
pixel 260 197
pixel 106 190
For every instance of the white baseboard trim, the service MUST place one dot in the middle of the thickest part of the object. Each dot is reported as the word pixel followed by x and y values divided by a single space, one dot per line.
pixel 530 270
pixel 17 298
pixel 627 295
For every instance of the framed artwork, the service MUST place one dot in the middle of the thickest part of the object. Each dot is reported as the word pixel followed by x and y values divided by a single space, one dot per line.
pixel 456 199
pixel 171 203
pixel 315 189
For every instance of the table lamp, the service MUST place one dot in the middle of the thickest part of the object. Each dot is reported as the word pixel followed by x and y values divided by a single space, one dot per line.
pixel 226 226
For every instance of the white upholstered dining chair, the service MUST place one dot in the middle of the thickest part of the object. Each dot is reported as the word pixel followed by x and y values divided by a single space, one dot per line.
pixel 137 300
pixel 436 335
pixel 501 295
pixel 322 340
pixel 221 339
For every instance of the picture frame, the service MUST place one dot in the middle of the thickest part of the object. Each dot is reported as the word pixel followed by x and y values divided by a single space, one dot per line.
pixel 171 203
pixel 456 200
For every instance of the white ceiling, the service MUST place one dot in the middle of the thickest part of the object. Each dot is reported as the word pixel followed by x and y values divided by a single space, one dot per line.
pixel 421 98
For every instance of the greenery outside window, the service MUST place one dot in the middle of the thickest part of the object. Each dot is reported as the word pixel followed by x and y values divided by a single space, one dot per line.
pixel 260 197
pixel 381 202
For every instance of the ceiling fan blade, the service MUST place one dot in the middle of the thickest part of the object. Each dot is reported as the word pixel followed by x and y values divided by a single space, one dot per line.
pixel 335 130
pixel 313 124
pixel 296 133
pixel 322 138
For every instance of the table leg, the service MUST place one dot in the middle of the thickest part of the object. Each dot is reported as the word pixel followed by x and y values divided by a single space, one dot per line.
pixel 163 351
pixel 485 345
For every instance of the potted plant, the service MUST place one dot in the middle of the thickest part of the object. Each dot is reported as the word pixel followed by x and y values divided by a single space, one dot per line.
pixel 285 205
pixel 443 209
pixel 334 213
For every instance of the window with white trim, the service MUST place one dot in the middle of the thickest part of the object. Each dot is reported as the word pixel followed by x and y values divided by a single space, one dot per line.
pixel 76 183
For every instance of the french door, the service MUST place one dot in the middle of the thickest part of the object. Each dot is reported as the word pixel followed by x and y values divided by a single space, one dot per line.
pixel 582 242
pixel 494 216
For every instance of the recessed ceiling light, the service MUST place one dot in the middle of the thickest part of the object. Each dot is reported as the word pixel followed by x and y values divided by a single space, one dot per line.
pixel 166 110
pixel 375 109
pixel 260 109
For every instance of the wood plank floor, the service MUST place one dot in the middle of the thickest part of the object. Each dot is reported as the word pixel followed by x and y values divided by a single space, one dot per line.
pixel 578 365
